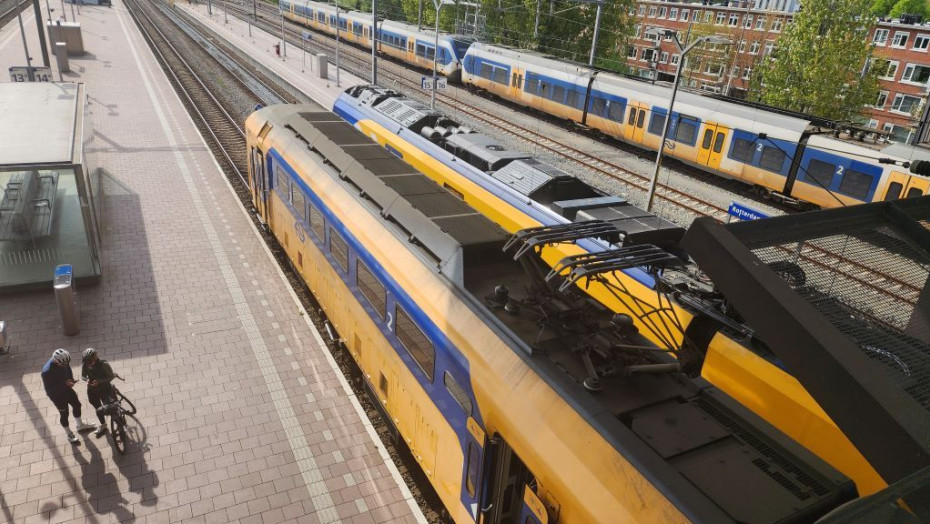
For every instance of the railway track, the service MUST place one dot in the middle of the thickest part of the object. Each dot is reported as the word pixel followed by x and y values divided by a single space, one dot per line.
pixel 357 61
pixel 9 13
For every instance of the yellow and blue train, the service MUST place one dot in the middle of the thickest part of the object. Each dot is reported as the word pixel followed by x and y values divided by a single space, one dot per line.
pixel 484 367
pixel 788 157
pixel 398 40
pixel 517 192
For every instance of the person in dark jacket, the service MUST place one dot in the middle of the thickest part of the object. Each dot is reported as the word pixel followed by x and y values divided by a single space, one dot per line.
pixel 99 375
pixel 59 386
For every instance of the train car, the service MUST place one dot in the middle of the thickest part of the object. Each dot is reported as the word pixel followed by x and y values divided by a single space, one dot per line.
pixel 785 156
pixel 398 40
pixel 517 192
pixel 483 368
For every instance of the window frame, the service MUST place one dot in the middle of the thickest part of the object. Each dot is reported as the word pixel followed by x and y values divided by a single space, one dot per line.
pixel 884 40
pixel 847 175
pixel 399 313
pixel 381 307
pixel 921 37
pixel 336 239
pixel 762 159
pixel 903 44
pixel 458 393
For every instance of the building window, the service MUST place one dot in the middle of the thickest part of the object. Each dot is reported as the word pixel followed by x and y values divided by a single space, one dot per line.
pixel 734 20
pixel 415 342
pixel 652 36
pixel 642 10
pixel 673 14
pixel 652 12
pixel 887 69
pixel 684 14
pixel 747 22
pixel 747 72
pixel 900 39
pixel 742 46
pixel 631 53
pixel 905 104
pixel 648 55
pixel 708 16
pixel 675 59
pixel 760 23
pixel 880 36
pixel 916 74
pixel 873 123
pixel 721 16
pixel 882 99
pixel 754 48
pixel 695 16
pixel 769 46
pixel 664 57
pixel 776 26
pixel 662 12
pixel 921 42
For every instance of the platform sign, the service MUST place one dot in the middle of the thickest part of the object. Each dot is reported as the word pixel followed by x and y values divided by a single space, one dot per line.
pixel 39 74
pixel 744 213
pixel 426 83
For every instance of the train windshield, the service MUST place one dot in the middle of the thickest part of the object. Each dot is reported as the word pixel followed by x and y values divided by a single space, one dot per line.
pixel 460 47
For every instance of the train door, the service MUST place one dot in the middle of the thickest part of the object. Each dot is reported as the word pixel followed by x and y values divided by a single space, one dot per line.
pixel 711 150
pixel 635 123
pixel 510 496
pixel 259 182
pixel 404 414
pixel 901 185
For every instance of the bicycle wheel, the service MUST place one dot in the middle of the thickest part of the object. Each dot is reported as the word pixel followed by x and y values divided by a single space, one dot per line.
pixel 125 404
pixel 118 433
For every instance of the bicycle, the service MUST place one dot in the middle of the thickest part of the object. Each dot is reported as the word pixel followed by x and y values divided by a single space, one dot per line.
pixel 117 406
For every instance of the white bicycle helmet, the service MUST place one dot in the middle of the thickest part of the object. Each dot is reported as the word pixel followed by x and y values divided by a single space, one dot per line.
pixel 88 354
pixel 61 356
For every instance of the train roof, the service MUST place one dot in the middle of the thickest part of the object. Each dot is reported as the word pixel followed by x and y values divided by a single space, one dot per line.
pixel 386 24
pixel 443 226
pixel 659 91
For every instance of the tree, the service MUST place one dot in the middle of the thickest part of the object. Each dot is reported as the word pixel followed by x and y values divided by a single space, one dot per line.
pixel 910 7
pixel 882 7
pixel 820 64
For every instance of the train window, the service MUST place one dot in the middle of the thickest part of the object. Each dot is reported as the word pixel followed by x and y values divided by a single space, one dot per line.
pixel 914 192
pixel 369 285
pixel 632 119
pixel 513 80
pixel 316 223
pixel 599 106
pixel 339 249
pixel 282 182
pixel 572 100
pixel 855 184
pixel 487 71
pixel 820 173
pixel 894 191
pixel 558 93
pixel 471 476
pixel 500 76
pixel 615 112
pixel 708 137
pixel 457 392
pixel 718 142
pixel 656 124
pixel 298 201
pixel 772 159
pixel 415 342
pixel 686 132
pixel 641 119
pixel 742 150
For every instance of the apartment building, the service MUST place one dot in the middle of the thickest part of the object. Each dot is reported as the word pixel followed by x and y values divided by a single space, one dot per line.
pixel 901 105
pixel 754 26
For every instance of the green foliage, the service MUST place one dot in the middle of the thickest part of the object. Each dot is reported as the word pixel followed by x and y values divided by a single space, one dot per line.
pixel 817 67
pixel 882 7
pixel 910 7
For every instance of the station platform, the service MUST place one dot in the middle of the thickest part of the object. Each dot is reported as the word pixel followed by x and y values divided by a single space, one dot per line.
pixel 243 416
pixel 294 68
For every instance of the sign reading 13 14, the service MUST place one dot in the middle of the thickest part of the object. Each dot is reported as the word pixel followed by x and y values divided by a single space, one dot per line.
pixel 39 74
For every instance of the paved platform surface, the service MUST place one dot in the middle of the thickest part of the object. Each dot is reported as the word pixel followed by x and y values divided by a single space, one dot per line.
pixel 243 415
pixel 260 46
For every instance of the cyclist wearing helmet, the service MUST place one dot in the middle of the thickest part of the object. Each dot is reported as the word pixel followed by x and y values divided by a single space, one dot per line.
pixel 99 374
pixel 59 384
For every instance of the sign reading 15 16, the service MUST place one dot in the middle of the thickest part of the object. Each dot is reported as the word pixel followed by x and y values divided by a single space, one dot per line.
pixel 39 74
pixel 426 83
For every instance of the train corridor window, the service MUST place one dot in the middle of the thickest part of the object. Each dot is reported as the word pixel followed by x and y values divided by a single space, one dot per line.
pixel 820 173
pixel 656 124
pixel 914 192
pixel 471 477
pixel 316 223
pixel 718 142
pixel 339 249
pixel 615 111
pixel 415 342
pixel 708 138
pixel 457 392
pixel 742 150
pixel 632 119
pixel 369 285
pixel 894 191
pixel 299 201
pixel 686 132
pixel 641 119
pixel 855 184
pixel 772 159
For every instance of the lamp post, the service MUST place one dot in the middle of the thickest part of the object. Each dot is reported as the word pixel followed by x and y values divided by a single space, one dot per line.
pixel 374 42
pixel 712 39
pixel 336 3
pixel 438 5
